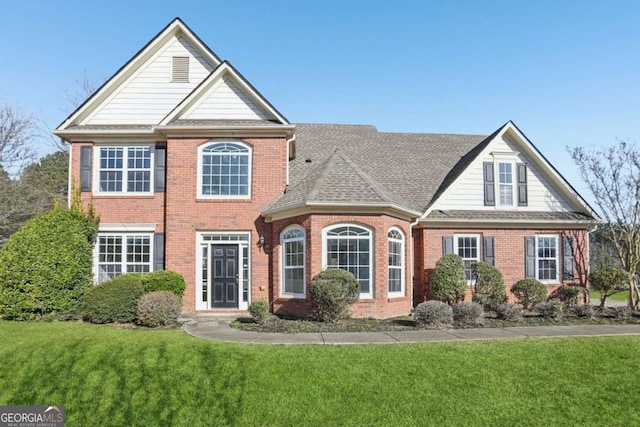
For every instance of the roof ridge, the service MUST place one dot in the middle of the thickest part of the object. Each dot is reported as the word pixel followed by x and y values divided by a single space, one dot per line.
pixel 324 171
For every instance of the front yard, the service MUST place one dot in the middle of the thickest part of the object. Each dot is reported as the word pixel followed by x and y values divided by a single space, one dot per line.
pixel 108 376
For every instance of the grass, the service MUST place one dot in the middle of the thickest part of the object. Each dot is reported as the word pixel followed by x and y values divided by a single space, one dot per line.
pixel 105 376
pixel 620 296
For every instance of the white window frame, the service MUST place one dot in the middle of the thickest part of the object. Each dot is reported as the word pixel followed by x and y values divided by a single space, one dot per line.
pixel 478 257
pixel 370 238
pixel 285 267
pixel 499 184
pixel 123 235
pixel 125 169
pixel 400 241
pixel 556 258
pixel 248 154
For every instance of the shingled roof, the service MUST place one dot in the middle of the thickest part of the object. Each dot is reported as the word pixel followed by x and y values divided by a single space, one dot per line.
pixel 357 165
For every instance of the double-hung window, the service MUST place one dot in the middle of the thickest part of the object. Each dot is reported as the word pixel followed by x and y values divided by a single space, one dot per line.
pixel 293 262
pixel 123 253
pixel 547 257
pixel 505 183
pixel 467 246
pixel 124 169
pixel 348 247
pixel 396 262
pixel 224 170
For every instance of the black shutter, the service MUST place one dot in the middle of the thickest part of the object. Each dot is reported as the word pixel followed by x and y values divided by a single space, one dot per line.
pixel 158 251
pixel 568 258
pixel 160 169
pixel 522 184
pixel 529 257
pixel 489 253
pixel 447 245
pixel 489 184
pixel 85 168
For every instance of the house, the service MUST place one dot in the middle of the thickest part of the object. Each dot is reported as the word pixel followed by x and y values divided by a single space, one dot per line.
pixel 191 169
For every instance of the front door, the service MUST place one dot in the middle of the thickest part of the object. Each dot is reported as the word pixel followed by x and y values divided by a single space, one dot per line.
pixel 224 272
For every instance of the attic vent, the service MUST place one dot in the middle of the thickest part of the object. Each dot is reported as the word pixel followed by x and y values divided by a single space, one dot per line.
pixel 180 69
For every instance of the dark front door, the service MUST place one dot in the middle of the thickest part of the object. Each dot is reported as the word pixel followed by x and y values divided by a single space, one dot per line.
pixel 224 270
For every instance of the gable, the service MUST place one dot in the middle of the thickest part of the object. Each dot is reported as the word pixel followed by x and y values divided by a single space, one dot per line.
pixel 225 101
pixel 149 94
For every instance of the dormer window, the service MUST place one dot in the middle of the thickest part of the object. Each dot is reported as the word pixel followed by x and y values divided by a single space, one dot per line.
pixel 505 183
pixel 180 69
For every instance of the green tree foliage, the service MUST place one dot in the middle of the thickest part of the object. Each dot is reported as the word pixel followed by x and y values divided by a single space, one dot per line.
pixel 608 281
pixel 46 266
pixel 488 288
pixel 332 292
pixel 449 283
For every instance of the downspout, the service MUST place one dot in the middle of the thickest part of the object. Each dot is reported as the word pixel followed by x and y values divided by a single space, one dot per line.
pixel 69 195
pixel 289 142
pixel 412 257
pixel 589 231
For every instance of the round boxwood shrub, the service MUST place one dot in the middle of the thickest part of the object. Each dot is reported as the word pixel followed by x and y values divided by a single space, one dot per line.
pixel 433 314
pixel 113 301
pixel 608 281
pixel 449 283
pixel 46 266
pixel 259 311
pixel 568 294
pixel 550 309
pixel 488 289
pixel 468 313
pixel 529 292
pixel 159 308
pixel 332 292
pixel 164 280
pixel 509 312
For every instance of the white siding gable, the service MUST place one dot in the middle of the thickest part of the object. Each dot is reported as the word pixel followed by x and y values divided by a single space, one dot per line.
pixel 467 192
pixel 149 95
pixel 224 100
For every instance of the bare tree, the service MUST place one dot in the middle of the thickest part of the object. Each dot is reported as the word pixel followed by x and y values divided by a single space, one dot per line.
pixel 17 133
pixel 613 177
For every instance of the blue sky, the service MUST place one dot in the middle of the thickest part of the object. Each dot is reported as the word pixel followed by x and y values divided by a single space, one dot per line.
pixel 566 72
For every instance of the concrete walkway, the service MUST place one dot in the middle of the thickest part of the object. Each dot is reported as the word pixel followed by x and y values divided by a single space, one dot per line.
pixel 217 328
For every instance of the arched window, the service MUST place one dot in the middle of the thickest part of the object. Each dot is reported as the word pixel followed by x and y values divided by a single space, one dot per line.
pixel 396 262
pixel 349 247
pixel 224 170
pixel 293 262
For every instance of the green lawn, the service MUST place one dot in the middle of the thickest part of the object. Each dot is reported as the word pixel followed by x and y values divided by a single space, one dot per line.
pixel 620 296
pixel 114 377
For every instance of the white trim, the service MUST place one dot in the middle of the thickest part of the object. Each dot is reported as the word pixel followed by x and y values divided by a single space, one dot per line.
pixel 95 172
pixel 403 266
pixel 283 265
pixel 113 227
pixel 498 184
pixel 200 195
pixel 371 238
pixel 123 262
pixel 558 278
pixel 245 243
pixel 478 257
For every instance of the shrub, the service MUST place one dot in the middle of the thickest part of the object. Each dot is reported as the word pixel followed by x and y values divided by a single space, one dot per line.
pixel 529 292
pixel 568 294
pixel 621 312
pixel 488 289
pixel 433 314
pixel 449 283
pixel 608 281
pixel 582 310
pixel 159 308
pixel 259 311
pixel 509 312
pixel 113 301
pixel 468 312
pixel 164 280
pixel 46 266
pixel 550 309
pixel 332 292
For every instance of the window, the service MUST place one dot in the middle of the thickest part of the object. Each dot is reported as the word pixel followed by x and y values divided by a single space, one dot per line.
pixel 293 261
pixel 348 247
pixel 123 253
pixel 468 248
pixel 396 262
pixel 547 258
pixel 225 170
pixel 124 170
pixel 505 182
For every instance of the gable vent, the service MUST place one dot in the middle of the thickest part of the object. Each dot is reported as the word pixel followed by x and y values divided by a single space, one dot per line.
pixel 180 69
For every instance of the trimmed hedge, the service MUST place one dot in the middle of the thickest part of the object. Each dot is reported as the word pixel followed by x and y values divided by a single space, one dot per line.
pixel 164 280
pixel 332 292
pixel 529 292
pixel 449 283
pixel 488 289
pixel 160 308
pixel 113 301
pixel 433 314
pixel 468 313
pixel 46 266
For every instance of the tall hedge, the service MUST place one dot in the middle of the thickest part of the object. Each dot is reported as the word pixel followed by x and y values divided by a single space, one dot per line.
pixel 449 283
pixel 46 266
